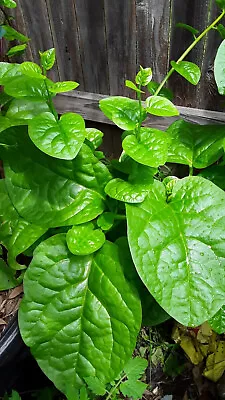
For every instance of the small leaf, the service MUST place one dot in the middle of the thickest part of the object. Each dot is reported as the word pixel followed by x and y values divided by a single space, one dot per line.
pixel 8 3
pixel 16 50
pixel 219 68
pixel 13 34
pixel 61 87
pixel 131 85
pixel 61 139
pixel 105 221
pixel 221 30
pixel 133 389
pixel 125 191
pixel 188 28
pixel 32 70
pixel 95 385
pixel 150 150
pixel 122 111
pixel 7 278
pixel 144 76
pixel 164 92
pixel 221 4
pixel 25 109
pixel 94 136
pixel 47 59
pixel 160 106
pixel 218 321
pixel 135 368
pixel 84 239
pixel 190 71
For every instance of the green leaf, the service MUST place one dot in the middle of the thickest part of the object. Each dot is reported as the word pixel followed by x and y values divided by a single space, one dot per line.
pixel 94 136
pixel 61 87
pixel 61 139
pixel 135 368
pixel 4 98
pixel 13 34
pixel 16 234
pixel 132 86
pixel 188 28
pixel 84 303
pixel 160 106
pixel 144 76
pixel 8 71
pixel 219 68
pixel 32 70
pixel 190 71
pixel 47 59
pixel 150 150
pixel 8 3
pixel 217 322
pixel 25 109
pixel 221 30
pixel 83 240
pixel 4 123
pixel 24 86
pixel 95 385
pixel 133 389
pixel 83 393
pixel 195 145
pixel 7 279
pixel 105 221
pixel 45 189
pixel 122 111
pixel 164 92
pixel 15 395
pixel 125 191
pixel 16 50
pixel 216 174
pixel 179 249
pixel 221 4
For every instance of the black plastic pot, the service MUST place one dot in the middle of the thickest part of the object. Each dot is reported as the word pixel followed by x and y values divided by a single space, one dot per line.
pixel 18 369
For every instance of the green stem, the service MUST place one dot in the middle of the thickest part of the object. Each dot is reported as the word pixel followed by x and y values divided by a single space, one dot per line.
pixel 191 170
pixel 49 97
pixel 187 51
pixel 115 387
pixel 120 217
pixel 140 113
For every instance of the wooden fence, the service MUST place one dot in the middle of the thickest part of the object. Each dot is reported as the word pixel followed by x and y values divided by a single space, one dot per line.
pixel 100 43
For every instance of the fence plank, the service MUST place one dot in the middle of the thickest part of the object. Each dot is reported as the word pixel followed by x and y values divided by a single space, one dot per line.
pixel 120 19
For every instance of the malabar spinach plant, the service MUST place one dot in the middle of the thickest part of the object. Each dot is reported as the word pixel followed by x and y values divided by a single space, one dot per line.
pixel 108 239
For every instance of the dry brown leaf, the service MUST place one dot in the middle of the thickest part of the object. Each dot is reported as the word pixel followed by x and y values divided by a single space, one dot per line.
pixel 16 292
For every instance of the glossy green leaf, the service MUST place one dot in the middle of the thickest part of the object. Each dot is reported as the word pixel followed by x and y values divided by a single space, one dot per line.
pixel 164 92
pixel 26 108
pixel 16 234
pixel 160 106
pixel 7 279
pixel 150 150
pixel 221 30
pixel 144 76
pixel 94 136
pixel 84 303
pixel 4 98
pixel 188 28
pixel 45 189
pixel 47 59
pixel 132 86
pixel 190 71
pixel 61 139
pixel 24 86
pixel 216 174
pixel 8 71
pixel 32 70
pixel 219 68
pixel 195 145
pixel 13 34
pixel 122 111
pixel 178 248
pixel 16 50
pixel 221 4
pixel 217 322
pixel 125 191
pixel 133 389
pixel 8 3
pixel 105 221
pixel 4 123
pixel 83 240
pixel 61 87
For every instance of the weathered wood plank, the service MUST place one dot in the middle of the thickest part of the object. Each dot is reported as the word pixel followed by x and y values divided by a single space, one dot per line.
pixel 91 21
pixel 153 35
pixel 120 20
pixel 65 37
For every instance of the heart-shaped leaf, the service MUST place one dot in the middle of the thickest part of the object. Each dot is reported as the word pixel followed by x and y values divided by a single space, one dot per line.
pixel 32 70
pixel 161 106
pixel 144 76
pixel 195 145
pixel 190 71
pixel 94 136
pixel 217 322
pixel 219 68
pixel 150 150
pixel 61 87
pixel 178 248
pixel 47 59
pixel 83 240
pixel 84 303
pixel 216 174
pixel 7 279
pixel 122 111
pixel 25 109
pixel 125 191
pixel 61 139
pixel 45 189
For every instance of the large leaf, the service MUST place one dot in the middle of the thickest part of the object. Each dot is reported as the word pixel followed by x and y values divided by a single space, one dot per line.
pixel 217 322
pixel 161 106
pixel 219 68
pixel 24 86
pixel 122 111
pixel 150 150
pixel 48 190
pixel 7 279
pixel 25 109
pixel 61 139
pixel 16 234
pixel 195 145
pixel 79 315
pixel 216 174
pixel 190 71
pixel 179 248
pixel 32 70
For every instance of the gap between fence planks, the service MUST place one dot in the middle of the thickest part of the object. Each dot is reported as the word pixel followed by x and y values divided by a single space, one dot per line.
pixel 87 105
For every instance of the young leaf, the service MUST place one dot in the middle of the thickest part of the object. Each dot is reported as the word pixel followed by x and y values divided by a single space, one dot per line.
pixel 95 385
pixel 61 87
pixel 83 239
pixel 144 76
pixel 221 4
pixel 133 389
pixel 13 34
pixel 164 92
pixel 195 145
pixel 122 111
pixel 131 85
pixel 25 109
pixel 183 267
pixel 84 303
pixel 188 28
pixel 125 191
pixel 135 368
pixel 7 279
pixel 61 139
pixel 217 322
pixel 190 71
pixel 32 70
pixel 47 59
pixel 219 68
pixel 160 106
pixel 150 150
pixel 94 136
pixel 16 50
